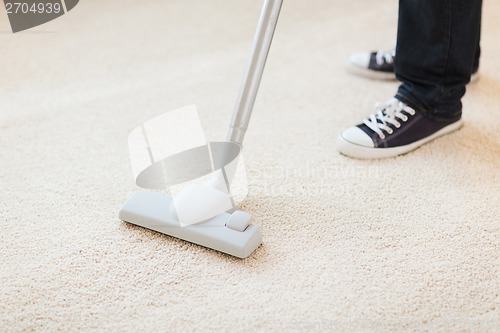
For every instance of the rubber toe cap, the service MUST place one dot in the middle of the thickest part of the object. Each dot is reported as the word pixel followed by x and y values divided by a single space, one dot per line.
pixel 361 59
pixel 355 135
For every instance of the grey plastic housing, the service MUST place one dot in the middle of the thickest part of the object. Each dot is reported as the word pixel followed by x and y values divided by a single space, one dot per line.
pixel 152 211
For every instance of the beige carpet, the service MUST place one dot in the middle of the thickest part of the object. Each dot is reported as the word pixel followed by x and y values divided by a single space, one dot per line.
pixel 409 244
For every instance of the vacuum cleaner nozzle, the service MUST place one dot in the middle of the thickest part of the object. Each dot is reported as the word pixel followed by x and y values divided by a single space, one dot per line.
pixel 229 233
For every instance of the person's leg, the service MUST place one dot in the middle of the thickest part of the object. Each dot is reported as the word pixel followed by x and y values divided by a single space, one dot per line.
pixel 380 64
pixel 475 68
pixel 436 49
pixel 477 55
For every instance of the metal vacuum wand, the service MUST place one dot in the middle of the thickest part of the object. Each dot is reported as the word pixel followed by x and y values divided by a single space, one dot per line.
pixel 251 80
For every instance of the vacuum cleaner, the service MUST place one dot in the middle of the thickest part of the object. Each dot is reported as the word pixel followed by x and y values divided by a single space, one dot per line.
pixel 204 214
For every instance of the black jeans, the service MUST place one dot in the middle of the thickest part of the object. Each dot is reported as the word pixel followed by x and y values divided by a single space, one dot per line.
pixel 437 49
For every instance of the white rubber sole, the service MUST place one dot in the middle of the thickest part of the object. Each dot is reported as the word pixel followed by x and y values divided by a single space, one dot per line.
pixel 353 150
pixel 368 73
pixel 384 76
pixel 474 77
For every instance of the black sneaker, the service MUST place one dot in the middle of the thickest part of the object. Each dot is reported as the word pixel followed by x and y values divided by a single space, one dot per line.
pixel 373 65
pixel 393 130
pixel 379 65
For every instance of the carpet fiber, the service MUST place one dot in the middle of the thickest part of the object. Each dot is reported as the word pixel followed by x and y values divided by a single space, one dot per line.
pixel 408 244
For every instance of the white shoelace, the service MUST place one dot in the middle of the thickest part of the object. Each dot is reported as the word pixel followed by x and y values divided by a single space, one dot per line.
pixel 392 113
pixel 387 56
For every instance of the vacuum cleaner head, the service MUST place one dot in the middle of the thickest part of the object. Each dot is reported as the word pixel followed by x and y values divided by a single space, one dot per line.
pixel 231 233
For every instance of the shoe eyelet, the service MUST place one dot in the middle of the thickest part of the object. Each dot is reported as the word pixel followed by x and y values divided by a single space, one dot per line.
pixel 398 125
pixel 405 118
pixel 390 131
pixel 382 137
